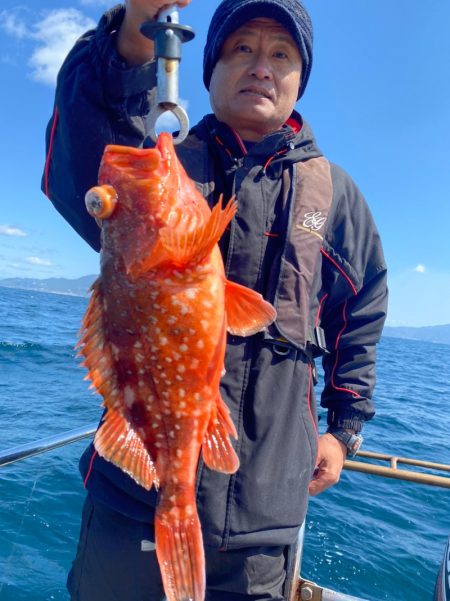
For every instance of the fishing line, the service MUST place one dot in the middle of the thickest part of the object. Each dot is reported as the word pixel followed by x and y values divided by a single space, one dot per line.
pixel 18 532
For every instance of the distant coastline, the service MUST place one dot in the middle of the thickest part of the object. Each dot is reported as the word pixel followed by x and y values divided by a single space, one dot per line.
pixel 80 287
pixel 66 286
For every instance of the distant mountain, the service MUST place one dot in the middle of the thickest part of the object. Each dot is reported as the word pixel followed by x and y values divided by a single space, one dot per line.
pixel 425 334
pixel 75 287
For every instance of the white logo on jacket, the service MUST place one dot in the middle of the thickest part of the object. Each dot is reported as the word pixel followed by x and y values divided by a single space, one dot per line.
pixel 314 220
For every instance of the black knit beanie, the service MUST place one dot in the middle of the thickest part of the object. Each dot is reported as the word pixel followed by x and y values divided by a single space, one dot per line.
pixel 231 14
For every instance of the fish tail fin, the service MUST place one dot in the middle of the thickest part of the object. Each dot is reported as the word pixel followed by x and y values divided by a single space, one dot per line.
pixel 179 548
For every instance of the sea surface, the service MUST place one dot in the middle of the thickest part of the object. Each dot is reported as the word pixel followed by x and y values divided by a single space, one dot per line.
pixel 368 536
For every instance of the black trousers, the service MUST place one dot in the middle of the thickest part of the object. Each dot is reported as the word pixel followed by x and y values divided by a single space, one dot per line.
pixel 116 561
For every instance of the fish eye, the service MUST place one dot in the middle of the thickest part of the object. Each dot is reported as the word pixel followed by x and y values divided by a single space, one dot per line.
pixel 101 201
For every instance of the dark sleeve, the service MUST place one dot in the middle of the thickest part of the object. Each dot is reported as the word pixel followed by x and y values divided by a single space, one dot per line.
pixel 354 308
pixel 98 101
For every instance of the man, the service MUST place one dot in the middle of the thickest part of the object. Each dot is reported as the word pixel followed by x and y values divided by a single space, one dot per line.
pixel 303 237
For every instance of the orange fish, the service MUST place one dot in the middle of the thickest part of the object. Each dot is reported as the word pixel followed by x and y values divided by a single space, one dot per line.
pixel 153 340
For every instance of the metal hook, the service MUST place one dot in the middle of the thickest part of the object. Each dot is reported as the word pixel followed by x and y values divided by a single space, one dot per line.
pixel 168 36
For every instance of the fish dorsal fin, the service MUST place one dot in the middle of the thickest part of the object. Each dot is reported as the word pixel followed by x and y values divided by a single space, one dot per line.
pixel 118 443
pixel 217 450
pixel 247 311
pixel 184 246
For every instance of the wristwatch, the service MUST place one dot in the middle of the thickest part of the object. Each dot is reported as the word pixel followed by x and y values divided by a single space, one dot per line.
pixel 351 440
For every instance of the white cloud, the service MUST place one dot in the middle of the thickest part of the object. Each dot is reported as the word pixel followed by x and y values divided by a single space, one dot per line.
pixel 420 268
pixel 52 36
pixel 39 261
pixel 12 25
pixel 7 230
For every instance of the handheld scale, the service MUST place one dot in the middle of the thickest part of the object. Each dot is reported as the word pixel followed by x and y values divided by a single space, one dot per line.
pixel 168 36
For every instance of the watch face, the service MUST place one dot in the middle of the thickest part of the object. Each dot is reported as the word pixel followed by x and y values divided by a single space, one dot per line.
pixel 354 444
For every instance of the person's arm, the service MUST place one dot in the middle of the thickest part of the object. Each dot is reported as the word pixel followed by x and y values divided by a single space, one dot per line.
pixel 103 94
pixel 353 318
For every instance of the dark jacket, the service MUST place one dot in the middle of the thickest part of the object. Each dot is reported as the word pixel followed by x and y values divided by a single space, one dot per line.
pixel 270 395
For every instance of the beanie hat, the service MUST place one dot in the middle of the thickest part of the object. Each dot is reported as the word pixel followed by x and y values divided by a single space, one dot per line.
pixel 232 14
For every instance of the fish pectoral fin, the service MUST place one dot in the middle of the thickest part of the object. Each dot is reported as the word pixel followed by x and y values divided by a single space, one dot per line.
pixel 117 442
pixel 181 558
pixel 218 452
pixel 186 246
pixel 247 311
pixel 157 256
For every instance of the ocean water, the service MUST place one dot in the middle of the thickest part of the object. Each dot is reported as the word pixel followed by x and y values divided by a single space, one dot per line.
pixel 368 536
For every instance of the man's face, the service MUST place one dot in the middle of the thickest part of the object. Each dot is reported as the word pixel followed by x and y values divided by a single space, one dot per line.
pixel 254 85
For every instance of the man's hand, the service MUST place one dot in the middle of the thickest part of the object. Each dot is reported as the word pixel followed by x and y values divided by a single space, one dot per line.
pixel 330 460
pixel 135 48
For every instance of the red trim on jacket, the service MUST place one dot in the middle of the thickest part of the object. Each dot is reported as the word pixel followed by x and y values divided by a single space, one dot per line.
pixel 50 149
pixel 319 310
pixel 91 464
pixel 336 345
pixel 339 268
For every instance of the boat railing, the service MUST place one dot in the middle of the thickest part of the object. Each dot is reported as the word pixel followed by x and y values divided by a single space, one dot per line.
pixel 304 590
pixel 43 445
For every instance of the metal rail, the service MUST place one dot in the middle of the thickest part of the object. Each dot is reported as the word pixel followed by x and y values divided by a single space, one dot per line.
pixel 399 474
pixel 46 444
pixel 53 442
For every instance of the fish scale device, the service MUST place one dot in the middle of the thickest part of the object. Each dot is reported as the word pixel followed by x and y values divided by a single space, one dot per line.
pixel 168 36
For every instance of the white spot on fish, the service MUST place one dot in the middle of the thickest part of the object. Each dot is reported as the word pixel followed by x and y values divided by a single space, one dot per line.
pixel 167 281
pixel 137 344
pixel 177 427
pixel 171 320
pixel 176 355
pixel 200 344
pixel 184 310
pixel 195 363
pixel 191 293
pixel 197 396
pixel 156 306
pixel 204 324
pixel 174 479
pixel 207 304
pixel 182 394
pixel 171 434
pixel 178 378
pixel 129 396
pixel 183 348
pixel 163 340
pixel 169 359
pixel 139 357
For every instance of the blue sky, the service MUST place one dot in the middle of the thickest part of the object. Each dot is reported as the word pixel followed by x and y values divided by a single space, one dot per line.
pixel 378 101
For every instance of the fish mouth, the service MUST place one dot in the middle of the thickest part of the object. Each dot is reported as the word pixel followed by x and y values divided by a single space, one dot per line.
pixel 138 162
pixel 257 91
